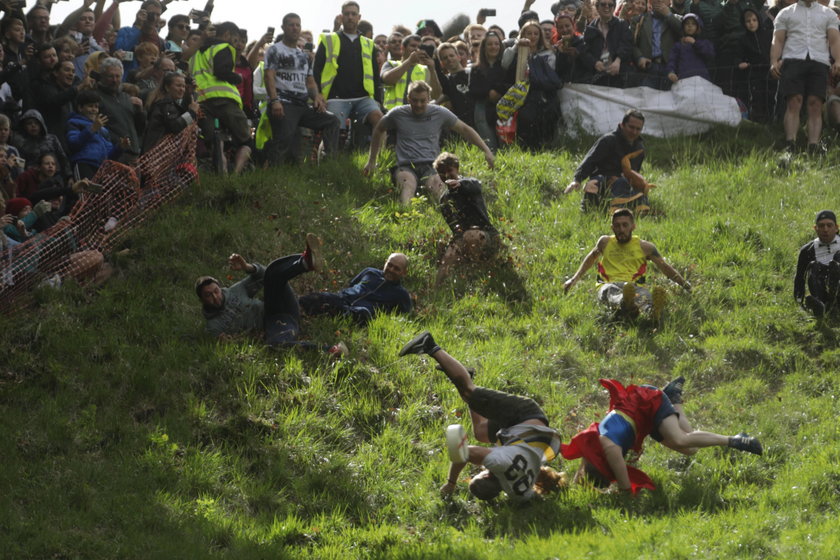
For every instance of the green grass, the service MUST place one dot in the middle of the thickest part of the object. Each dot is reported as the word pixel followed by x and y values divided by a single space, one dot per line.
pixel 126 433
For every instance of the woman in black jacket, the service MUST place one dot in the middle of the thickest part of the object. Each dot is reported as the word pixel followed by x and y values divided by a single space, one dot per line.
pixel 169 111
pixel 487 85
pixel 537 119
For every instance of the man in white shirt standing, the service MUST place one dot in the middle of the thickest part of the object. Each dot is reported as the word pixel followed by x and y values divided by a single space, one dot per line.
pixel 799 56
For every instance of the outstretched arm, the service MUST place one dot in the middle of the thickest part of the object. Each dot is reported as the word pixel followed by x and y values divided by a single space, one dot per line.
pixel 238 262
pixel 587 263
pixel 669 271
pixel 476 457
pixel 469 134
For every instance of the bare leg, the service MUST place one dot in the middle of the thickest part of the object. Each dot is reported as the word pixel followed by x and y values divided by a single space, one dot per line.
pixel 436 187
pixel 449 260
pixel 242 157
pixel 814 119
pixel 791 120
pixel 688 443
pixel 407 185
pixel 460 377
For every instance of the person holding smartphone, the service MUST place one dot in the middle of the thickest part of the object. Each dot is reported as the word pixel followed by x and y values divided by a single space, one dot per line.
pixel 417 64
pixel 144 30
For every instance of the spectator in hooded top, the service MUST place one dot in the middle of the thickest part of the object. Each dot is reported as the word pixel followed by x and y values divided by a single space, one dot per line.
pixel 727 35
pixel 691 55
pixel 35 139
pixel 755 87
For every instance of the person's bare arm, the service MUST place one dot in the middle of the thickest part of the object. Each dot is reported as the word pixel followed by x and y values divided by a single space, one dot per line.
pixel 588 262
pixel 253 56
pixel 392 76
pixel 615 458
pixel 469 134
pixel 71 20
pixel 833 36
pixel 669 271
pixel 476 457
pixel 776 48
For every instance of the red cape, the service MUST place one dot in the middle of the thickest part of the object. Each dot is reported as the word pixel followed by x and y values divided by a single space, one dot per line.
pixel 640 404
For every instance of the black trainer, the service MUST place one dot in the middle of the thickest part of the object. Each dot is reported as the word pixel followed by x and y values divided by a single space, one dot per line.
pixel 422 343
pixel 674 390
pixel 745 442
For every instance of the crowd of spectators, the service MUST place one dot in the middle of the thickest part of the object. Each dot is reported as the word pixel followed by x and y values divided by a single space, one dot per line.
pixel 77 92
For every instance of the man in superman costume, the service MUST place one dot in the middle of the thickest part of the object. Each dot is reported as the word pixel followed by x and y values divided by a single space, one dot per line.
pixel 635 412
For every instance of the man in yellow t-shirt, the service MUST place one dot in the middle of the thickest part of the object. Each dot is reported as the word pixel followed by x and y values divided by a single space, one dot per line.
pixel 622 266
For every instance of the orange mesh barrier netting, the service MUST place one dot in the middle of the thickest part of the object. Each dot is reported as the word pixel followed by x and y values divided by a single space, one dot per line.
pixel 76 244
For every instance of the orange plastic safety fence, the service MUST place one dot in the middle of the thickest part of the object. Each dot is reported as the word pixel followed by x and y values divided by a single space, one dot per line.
pixel 74 247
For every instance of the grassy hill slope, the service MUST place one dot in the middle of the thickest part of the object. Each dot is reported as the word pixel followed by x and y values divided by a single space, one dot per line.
pixel 126 433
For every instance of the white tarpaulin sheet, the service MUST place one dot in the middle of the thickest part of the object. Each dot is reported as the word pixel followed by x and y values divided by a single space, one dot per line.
pixel 692 106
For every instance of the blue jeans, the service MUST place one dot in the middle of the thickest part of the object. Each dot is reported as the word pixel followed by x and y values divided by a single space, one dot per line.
pixel 350 108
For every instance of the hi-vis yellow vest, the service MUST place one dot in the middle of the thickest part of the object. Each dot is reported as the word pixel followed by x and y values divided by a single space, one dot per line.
pixel 395 94
pixel 623 262
pixel 207 84
pixel 332 46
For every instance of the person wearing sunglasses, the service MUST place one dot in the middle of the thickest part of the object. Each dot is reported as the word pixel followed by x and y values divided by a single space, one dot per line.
pixel 609 46
pixel 179 30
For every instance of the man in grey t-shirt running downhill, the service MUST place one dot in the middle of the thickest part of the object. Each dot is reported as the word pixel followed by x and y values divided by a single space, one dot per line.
pixel 418 126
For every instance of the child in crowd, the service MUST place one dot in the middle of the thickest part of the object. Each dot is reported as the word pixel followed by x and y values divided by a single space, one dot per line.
pixel 35 140
pixel 689 57
pixel 755 87
pixel 25 217
pixel 87 137
pixel 14 162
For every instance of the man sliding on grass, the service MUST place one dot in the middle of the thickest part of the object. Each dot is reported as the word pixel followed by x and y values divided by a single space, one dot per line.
pixel 517 425
pixel 622 269
pixel 636 412
pixel 234 310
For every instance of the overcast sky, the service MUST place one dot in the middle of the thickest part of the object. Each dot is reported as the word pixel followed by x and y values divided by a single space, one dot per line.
pixel 257 15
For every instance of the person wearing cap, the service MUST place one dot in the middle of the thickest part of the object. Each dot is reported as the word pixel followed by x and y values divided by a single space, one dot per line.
pixel 234 310
pixel 818 267
pixel 622 269
pixel 515 424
